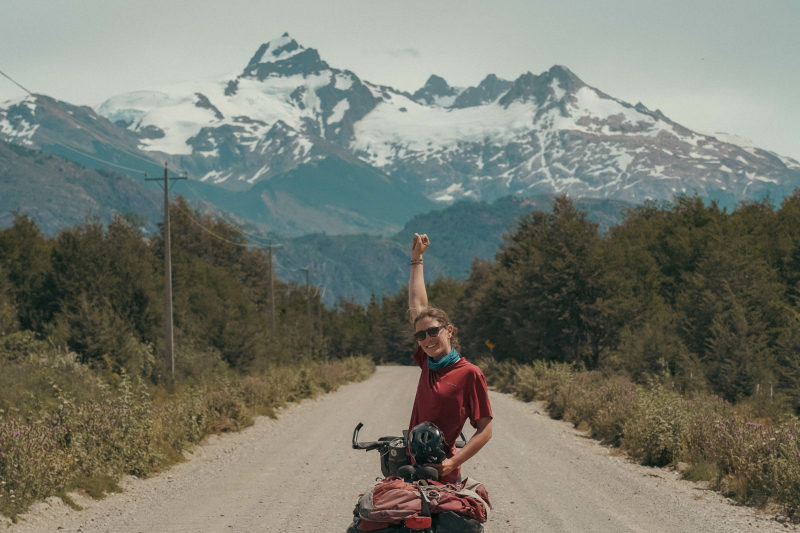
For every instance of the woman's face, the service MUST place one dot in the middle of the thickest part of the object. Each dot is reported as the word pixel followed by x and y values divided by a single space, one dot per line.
pixel 438 346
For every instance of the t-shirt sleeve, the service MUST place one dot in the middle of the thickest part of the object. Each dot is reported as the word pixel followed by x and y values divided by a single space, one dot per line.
pixel 419 357
pixel 478 398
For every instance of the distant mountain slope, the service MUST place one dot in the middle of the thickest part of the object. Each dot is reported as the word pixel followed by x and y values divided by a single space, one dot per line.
pixel 58 193
pixel 330 195
pixel 286 107
pixel 357 266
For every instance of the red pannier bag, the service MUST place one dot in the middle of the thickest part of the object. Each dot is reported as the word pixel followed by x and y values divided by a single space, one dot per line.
pixel 392 501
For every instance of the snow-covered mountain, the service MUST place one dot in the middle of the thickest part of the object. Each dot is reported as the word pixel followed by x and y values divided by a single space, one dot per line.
pixel 538 134
pixel 285 108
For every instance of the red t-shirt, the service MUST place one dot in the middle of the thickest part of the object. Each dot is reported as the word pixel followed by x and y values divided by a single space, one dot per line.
pixel 449 396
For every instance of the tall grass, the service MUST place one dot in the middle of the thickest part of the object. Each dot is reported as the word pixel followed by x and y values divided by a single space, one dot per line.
pixel 59 442
pixel 749 451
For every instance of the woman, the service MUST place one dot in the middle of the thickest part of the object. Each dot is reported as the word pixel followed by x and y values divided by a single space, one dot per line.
pixel 450 389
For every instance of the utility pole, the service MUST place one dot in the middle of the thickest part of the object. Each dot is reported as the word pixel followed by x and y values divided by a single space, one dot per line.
pixel 272 289
pixel 321 291
pixel 308 302
pixel 169 354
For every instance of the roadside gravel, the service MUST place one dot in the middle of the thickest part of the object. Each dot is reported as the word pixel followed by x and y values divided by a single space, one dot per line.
pixel 299 474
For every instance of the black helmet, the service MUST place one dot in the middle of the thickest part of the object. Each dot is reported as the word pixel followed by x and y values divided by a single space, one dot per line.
pixel 426 443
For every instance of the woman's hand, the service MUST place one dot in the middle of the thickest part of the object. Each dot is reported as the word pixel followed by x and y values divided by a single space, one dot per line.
pixel 418 245
pixel 473 446
pixel 447 466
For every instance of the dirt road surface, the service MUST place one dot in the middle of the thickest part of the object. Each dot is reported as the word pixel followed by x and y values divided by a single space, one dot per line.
pixel 299 474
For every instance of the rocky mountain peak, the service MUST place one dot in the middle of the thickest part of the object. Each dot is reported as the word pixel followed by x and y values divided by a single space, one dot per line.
pixel 554 84
pixel 276 50
pixel 567 81
pixel 284 57
pixel 487 91
pixel 436 92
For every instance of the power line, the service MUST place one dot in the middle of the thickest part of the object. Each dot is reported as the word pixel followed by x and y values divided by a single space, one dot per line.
pixel 40 134
pixel 69 119
pixel 292 265
pixel 89 156
pixel 15 83
pixel 208 230
pixel 238 228
pixel 84 154
pixel 271 274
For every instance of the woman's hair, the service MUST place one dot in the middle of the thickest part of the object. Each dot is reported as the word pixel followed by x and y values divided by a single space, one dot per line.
pixel 444 320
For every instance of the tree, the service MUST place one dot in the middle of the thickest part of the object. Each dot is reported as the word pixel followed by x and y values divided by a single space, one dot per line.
pixel 546 298
pixel 25 258
pixel 9 321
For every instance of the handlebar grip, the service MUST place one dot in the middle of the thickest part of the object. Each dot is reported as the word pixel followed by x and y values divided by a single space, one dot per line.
pixel 355 436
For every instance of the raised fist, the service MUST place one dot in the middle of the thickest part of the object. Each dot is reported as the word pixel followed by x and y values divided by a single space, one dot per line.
pixel 419 245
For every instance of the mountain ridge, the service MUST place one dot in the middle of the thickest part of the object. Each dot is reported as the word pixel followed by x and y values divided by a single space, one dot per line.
pixel 546 133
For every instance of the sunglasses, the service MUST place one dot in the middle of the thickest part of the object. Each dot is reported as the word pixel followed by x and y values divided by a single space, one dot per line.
pixel 420 335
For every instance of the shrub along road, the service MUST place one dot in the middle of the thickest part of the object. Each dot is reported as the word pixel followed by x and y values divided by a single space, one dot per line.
pixel 299 474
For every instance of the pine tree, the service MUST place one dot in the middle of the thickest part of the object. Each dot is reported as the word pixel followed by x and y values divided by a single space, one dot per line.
pixel 25 258
pixel 546 294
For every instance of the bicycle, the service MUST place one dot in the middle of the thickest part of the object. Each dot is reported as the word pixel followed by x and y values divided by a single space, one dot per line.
pixel 395 462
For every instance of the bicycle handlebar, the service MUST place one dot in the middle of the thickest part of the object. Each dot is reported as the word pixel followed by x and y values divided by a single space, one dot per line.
pixel 384 441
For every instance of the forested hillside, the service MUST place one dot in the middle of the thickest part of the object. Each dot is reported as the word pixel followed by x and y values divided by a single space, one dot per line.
pixel 686 293
pixel 358 266
pixel 98 290
pixel 59 193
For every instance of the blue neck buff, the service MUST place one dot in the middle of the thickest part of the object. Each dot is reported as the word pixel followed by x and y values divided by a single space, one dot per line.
pixel 445 361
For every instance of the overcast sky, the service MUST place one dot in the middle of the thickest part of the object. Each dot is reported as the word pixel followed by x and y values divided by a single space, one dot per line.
pixel 714 66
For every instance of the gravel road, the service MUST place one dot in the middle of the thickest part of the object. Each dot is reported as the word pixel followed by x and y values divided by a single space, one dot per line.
pixel 299 474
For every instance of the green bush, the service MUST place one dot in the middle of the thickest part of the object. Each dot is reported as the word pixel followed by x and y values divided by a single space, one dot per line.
pixel 64 443
pixel 749 451
pixel 225 411
pixel 655 433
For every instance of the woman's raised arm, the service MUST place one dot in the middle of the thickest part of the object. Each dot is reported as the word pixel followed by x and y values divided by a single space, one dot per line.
pixel 417 297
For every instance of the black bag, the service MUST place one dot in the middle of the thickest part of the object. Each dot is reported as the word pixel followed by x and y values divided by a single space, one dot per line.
pixel 450 522
pixel 394 458
pixel 391 529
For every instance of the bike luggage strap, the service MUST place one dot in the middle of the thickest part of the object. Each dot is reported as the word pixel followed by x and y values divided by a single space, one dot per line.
pixel 445 488
pixel 426 510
